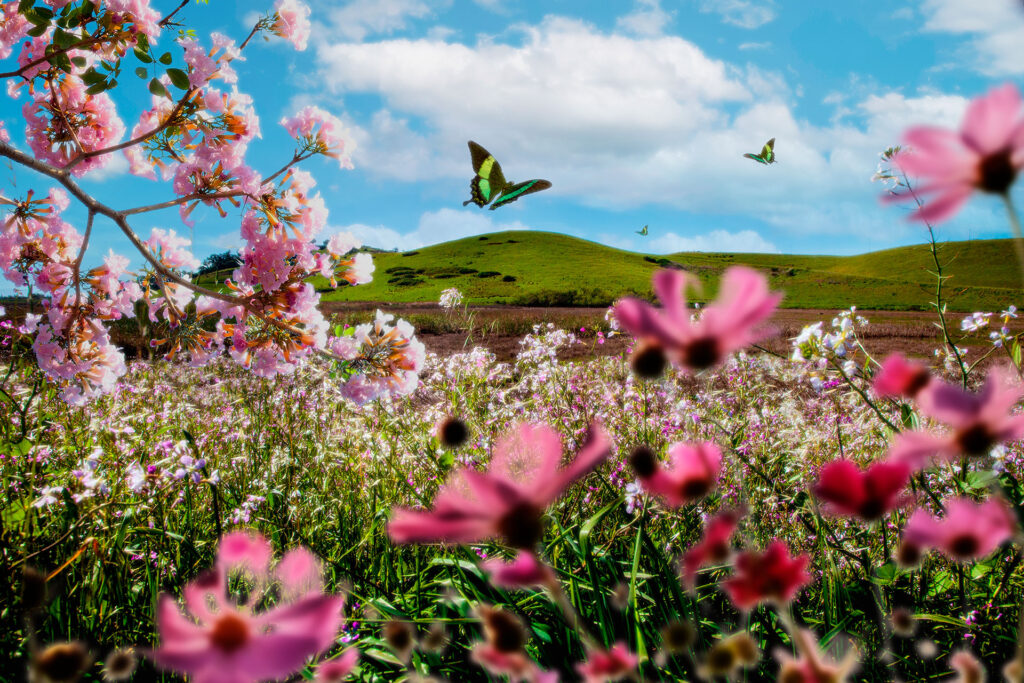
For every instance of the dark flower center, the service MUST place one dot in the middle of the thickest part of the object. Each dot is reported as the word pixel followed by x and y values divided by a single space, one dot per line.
pixel 908 554
pixel 721 659
pixel 964 545
pixel 702 353
pixel 975 440
pixel 643 461
pixel 62 661
pixel 649 361
pixel 916 382
pixel 996 172
pixel 718 552
pixel 871 508
pixel 453 432
pixel 504 631
pixel 398 635
pixel 230 633
pixel 523 525
pixel 695 488
pixel 677 636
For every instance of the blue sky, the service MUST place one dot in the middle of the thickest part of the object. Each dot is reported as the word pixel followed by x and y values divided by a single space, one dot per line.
pixel 637 111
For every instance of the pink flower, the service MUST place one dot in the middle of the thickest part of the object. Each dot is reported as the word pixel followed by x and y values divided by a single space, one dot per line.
pixel 216 641
pixel 291 22
pixel 509 500
pixel 713 546
pixel 773 575
pixel 524 572
pixel 870 494
pixel 812 666
pixel 898 377
pixel 694 471
pixel 968 531
pixel 337 670
pixel 608 665
pixel 987 154
pixel 725 325
pixel 979 421
pixel 321 133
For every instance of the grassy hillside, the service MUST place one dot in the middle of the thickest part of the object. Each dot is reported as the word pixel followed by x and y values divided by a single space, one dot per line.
pixel 540 268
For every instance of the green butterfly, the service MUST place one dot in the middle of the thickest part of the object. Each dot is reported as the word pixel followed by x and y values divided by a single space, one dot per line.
pixel 642 232
pixel 767 155
pixel 490 184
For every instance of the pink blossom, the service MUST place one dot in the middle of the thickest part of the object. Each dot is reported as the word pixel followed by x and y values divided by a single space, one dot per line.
pixel 525 571
pixel 693 473
pixel 507 501
pixel 812 666
pixel 968 531
pixel 725 325
pixel 337 670
pixel 870 494
pixel 321 133
pixel 773 576
pixel 343 242
pixel 986 154
pixel 713 546
pixel 145 19
pixel 899 377
pixel 291 22
pixel 979 421
pixel 12 27
pixel 608 665
pixel 171 249
pixel 218 641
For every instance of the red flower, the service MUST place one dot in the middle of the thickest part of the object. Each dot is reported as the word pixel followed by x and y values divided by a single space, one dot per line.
pixel 695 469
pixel 608 665
pixel 869 494
pixel 968 531
pixel 773 575
pixel 898 377
pixel 714 547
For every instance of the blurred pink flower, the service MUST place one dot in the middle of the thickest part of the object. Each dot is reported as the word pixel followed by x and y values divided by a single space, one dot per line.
pixel 899 377
pixel 979 420
pixel 986 154
pixel 509 500
pixel 713 546
pixel 693 473
pixel 868 494
pixel 608 665
pixel 968 531
pixel 724 326
pixel 338 669
pixel 216 641
pixel 291 22
pixel 773 575
pixel 525 571
pixel 812 666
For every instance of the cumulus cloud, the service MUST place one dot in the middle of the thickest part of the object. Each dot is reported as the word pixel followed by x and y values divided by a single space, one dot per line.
pixel 360 18
pixel 995 30
pixel 433 227
pixel 742 13
pixel 647 19
pixel 744 241
pixel 755 46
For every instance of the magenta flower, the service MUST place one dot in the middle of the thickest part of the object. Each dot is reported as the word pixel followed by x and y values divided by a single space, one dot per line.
pixel 217 641
pixel 725 325
pixel 608 665
pixel 968 531
pixel 525 571
pixel 713 547
pixel 899 377
pixel 509 500
pixel 337 670
pixel 986 154
pixel 694 471
pixel 979 421
pixel 773 575
pixel 868 494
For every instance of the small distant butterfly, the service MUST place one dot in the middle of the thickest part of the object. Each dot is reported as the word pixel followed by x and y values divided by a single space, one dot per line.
pixel 767 155
pixel 490 184
pixel 642 232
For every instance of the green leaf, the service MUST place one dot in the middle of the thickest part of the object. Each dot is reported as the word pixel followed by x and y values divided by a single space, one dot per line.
pixel 158 89
pixel 96 88
pixel 93 76
pixel 63 39
pixel 36 31
pixel 179 78
pixel 143 57
pixel 166 58
pixel 25 4
pixel 141 71
pixel 80 62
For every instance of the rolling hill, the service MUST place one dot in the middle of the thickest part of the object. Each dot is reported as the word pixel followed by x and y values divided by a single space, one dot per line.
pixel 541 268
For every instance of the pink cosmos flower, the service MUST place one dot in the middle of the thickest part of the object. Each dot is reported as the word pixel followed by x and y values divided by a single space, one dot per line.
pixel 868 494
pixel 713 546
pixel 291 22
pixel 986 154
pixel 525 571
pixel 899 377
pixel 693 473
pixel 216 641
pixel 968 531
pixel 337 670
pixel 608 665
pixel 773 575
pixel 979 420
pixel 812 666
pixel 725 325
pixel 507 501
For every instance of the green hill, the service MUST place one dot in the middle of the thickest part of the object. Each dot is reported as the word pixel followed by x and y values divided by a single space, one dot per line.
pixel 541 268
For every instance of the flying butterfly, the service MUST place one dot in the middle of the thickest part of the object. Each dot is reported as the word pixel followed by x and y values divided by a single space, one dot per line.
pixel 642 232
pixel 767 155
pixel 489 184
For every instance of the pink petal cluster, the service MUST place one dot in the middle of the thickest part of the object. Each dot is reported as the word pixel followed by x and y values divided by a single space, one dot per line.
pixel 217 641
pixel 321 133
pixel 694 471
pixel 968 531
pixel 900 377
pixel 714 545
pixel 337 670
pixel 144 18
pixel 508 501
pixel 172 250
pixel 12 27
pixel 986 154
pixel 291 22
pixel 726 325
pixel 868 494
pixel 772 575
pixel 613 664
pixel 526 571
pixel 205 65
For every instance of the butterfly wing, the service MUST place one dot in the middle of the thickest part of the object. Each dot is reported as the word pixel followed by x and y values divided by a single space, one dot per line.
pixel 755 158
pixel 514 192
pixel 768 151
pixel 642 231
pixel 489 180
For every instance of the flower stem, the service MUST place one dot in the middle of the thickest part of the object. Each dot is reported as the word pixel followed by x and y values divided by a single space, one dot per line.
pixel 1018 237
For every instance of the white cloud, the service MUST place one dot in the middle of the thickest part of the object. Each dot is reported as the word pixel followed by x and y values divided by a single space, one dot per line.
pixel 742 13
pixel 755 46
pixel 744 241
pixel 433 227
pixel 116 166
pixel 995 29
pixel 361 18
pixel 646 19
